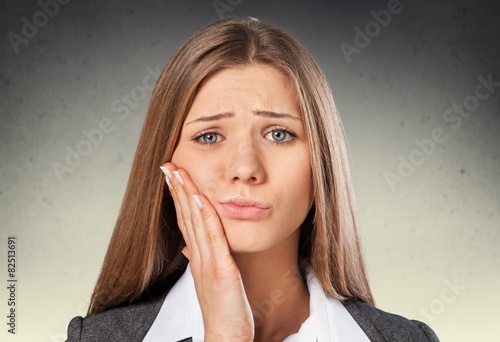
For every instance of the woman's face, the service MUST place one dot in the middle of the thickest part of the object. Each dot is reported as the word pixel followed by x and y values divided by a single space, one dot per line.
pixel 244 144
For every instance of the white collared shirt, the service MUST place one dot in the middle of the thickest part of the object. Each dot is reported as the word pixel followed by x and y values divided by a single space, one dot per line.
pixel 180 316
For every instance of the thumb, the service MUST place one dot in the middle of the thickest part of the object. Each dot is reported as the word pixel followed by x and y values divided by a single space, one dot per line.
pixel 186 253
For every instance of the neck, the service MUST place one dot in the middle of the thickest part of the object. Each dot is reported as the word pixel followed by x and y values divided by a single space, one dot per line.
pixel 278 295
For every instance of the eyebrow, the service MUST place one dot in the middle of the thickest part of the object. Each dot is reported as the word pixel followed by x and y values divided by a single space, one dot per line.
pixel 227 115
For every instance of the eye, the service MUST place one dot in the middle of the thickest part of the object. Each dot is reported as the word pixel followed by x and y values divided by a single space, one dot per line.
pixel 281 135
pixel 207 138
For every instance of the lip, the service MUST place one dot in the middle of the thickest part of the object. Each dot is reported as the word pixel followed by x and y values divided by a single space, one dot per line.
pixel 244 208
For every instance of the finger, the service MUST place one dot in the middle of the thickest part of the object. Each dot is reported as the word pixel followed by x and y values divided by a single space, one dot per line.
pixel 205 222
pixel 193 221
pixel 214 235
pixel 180 222
pixel 215 258
pixel 186 253
pixel 181 206
pixel 199 227
pixel 207 227
pixel 168 176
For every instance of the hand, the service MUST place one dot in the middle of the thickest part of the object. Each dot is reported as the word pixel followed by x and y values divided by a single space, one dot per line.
pixel 225 308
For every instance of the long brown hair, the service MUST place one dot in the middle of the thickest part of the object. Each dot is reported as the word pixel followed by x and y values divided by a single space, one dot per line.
pixel 144 254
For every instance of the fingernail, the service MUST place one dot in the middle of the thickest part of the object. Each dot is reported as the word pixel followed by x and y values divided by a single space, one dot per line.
pixel 198 201
pixel 179 177
pixel 166 171
pixel 168 182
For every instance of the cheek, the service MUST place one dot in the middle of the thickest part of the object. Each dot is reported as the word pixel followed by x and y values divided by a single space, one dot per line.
pixel 299 174
pixel 202 170
pixel 293 185
pixel 303 188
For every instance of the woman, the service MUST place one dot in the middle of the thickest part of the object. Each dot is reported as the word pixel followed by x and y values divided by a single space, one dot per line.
pixel 251 235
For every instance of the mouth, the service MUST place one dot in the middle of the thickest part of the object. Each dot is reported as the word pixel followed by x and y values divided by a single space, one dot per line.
pixel 245 208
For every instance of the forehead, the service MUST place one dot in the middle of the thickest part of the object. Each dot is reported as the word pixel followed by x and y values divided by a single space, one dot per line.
pixel 264 74
pixel 248 87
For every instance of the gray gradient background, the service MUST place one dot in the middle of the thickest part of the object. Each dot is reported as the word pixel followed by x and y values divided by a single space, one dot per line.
pixel 438 226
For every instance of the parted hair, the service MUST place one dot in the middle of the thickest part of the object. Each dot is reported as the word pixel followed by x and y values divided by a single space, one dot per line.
pixel 144 253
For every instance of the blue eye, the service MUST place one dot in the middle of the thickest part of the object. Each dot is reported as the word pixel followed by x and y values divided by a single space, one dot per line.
pixel 280 135
pixel 277 136
pixel 207 138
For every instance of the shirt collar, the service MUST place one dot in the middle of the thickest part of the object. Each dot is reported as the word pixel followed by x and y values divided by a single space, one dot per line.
pixel 180 316
pixel 328 319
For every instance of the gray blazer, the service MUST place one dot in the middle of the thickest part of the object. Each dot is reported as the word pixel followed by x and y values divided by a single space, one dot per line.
pixel 132 322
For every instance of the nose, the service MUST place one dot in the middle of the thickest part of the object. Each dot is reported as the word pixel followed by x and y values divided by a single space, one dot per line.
pixel 245 164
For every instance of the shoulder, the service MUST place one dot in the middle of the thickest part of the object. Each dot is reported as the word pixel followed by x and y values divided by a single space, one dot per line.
pixel 124 323
pixel 379 325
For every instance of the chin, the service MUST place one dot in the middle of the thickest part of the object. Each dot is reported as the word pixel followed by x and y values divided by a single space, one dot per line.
pixel 245 249
pixel 247 237
pixel 245 243
pixel 256 236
